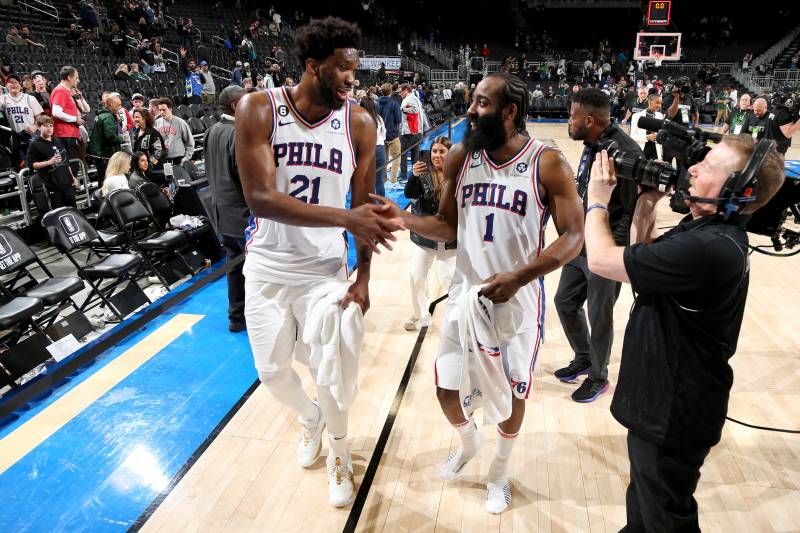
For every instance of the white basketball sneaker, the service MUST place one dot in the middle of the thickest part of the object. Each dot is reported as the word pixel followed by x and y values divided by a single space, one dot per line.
pixel 310 442
pixel 498 497
pixel 340 480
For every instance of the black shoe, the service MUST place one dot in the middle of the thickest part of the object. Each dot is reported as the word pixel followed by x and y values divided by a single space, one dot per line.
pixel 590 390
pixel 574 369
pixel 236 327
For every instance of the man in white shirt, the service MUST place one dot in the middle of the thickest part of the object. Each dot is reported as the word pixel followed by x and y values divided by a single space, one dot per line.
pixel 447 94
pixel 647 139
pixel 22 110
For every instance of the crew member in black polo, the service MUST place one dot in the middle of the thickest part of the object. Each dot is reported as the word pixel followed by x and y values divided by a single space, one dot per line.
pixel 691 285
pixel 230 213
pixel 776 124
pixel 590 122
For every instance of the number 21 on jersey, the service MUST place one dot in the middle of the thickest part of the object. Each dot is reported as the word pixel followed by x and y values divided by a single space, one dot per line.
pixel 303 182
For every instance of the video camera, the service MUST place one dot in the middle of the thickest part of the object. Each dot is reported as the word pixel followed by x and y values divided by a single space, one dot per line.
pixel 689 145
pixel 788 98
pixel 682 85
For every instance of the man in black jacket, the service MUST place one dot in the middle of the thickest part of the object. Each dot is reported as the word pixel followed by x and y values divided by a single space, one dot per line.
pixel 590 122
pixel 230 214
pixel 48 157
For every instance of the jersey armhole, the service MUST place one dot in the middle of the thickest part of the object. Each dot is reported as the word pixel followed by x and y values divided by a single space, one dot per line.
pixel 461 172
pixel 274 116
pixel 535 178
pixel 347 128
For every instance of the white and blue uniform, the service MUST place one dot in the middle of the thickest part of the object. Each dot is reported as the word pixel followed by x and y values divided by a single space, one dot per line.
pixel 315 164
pixel 501 223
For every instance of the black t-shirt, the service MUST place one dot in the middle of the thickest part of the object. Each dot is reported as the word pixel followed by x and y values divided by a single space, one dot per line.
pixel 777 118
pixel 686 109
pixel 58 176
pixel 634 105
pixel 691 286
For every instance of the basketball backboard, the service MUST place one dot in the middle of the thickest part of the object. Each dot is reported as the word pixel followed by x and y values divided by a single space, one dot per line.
pixel 662 46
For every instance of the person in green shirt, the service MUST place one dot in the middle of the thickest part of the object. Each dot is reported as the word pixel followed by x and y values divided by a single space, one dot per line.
pixel 738 119
pixel 722 102
pixel 136 74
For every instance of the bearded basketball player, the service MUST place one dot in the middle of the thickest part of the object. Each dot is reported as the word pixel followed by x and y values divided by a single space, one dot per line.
pixel 500 187
pixel 298 151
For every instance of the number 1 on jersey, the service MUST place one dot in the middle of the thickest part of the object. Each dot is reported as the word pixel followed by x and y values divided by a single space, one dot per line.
pixel 489 235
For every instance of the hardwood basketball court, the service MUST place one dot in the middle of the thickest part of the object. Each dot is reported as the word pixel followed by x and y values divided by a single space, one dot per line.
pixel 569 469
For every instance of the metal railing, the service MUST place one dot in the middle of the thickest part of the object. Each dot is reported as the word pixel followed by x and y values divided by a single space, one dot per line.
pixel 40 7
pixel 20 193
pixel 171 20
pixel 216 39
pixel 412 64
pixel 444 75
pixel 226 75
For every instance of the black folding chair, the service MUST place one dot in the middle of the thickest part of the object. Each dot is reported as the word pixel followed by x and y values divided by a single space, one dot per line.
pixel 163 209
pixel 69 231
pixel 55 293
pixel 156 248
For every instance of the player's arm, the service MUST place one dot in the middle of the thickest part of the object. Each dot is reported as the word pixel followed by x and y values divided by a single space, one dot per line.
pixel 256 162
pixel 362 185
pixel 558 187
pixel 789 128
pixel 443 226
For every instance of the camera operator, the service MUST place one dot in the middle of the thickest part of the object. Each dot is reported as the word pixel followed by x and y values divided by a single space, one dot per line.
pixel 635 103
pixel 776 124
pixel 590 122
pixel 691 285
pixel 679 107
pixel 647 139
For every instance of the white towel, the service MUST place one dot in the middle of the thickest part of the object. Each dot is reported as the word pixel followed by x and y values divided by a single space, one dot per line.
pixel 334 337
pixel 483 328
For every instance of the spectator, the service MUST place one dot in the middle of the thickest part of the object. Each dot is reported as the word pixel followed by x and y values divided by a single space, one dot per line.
pixel 739 118
pixel 118 166
pixel 280 56
pixel 229 213
pixel 389 111
pixel 121 74
pixel 411 131
pixel 459 99
pixel 647 139
pixel 66 117
pixel 723 102
pixel 47 156
pixel 176 133
pixel 137 101
pixel 146 58
pixel 117 41
pixel 193 78
pixel 159 65
pixel 72 36
pixel 149 141
pixel 485 51
pixel 247 50
pixel 106 138
pixel 380 153
pixel 424 189
pixel 209 87
pixel 140 172
pixel 13 37
pixel 27 84
pixel 136 74
pixel 247 73
pixel 21 110
pixel 537 92
pixel 236 74
pixel 86 40
pixel 288 82
pixel 447 94
pixel 40 91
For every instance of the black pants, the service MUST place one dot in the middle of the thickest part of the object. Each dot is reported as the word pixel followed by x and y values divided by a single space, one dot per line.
pixel 407 141
pixel 660 496
pixel 61 197
pixel 234 247
pixel 577 286
pixel 71 146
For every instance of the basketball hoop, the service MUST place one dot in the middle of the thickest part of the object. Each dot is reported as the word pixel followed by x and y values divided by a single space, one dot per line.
pixel 658 58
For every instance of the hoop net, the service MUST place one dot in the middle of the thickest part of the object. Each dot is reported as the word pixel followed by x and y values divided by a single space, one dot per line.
pixel 658 58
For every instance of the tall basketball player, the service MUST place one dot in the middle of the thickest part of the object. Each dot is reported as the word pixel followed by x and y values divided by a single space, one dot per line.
pixel 298 151
pixel 500 187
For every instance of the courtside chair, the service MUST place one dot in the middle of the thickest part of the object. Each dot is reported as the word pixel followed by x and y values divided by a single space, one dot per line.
pixel 69 231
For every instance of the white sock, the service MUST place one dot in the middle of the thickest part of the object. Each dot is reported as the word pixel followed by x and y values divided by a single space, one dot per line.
pixel 471 442
pixel 336 420
pixel 498 471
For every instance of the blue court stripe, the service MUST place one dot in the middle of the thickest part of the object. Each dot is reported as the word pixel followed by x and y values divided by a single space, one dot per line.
pixel 101 470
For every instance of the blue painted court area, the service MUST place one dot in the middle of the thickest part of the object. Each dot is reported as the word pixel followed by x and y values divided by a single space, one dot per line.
pixel 102 469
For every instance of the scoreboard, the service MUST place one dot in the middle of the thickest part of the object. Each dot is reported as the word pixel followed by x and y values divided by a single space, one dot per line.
pixel 659 12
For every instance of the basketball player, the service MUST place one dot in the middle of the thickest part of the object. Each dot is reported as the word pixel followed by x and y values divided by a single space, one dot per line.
pixel 499 188
pixel 298 151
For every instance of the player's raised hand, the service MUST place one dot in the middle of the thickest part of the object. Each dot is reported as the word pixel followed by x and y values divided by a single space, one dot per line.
pixel 501 287
pixel 369 224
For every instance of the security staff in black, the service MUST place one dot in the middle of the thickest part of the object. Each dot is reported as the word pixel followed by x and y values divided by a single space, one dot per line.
pixel 590 122
pixel 691 287
pixel 230 213
pixel 776 124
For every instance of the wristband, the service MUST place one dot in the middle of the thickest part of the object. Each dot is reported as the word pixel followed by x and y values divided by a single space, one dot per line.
pixel 596 206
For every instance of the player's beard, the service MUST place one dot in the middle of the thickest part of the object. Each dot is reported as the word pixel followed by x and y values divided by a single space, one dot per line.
pixel 489 133
pixel 327 95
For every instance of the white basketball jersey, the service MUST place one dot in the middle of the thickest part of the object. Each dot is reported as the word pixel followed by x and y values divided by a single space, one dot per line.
pixel 501 220
pixel 314 163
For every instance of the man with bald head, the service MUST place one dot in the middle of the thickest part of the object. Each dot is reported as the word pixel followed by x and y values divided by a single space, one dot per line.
pixel 738 119
pixel 636 104
pixel 776 124
pixel 107 136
